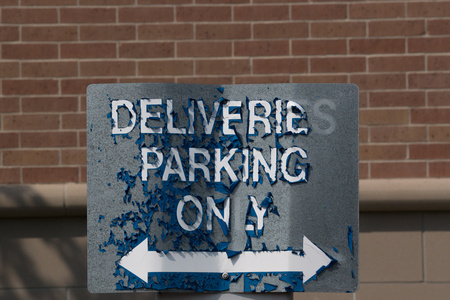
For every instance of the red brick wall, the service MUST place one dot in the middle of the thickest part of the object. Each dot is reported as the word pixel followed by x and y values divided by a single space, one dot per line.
pixel 396 51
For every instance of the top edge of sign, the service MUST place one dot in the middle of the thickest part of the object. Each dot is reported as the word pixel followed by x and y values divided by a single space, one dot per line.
pixel 95 85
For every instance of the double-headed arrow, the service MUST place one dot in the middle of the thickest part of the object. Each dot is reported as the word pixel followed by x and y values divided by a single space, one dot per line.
pixel 140 261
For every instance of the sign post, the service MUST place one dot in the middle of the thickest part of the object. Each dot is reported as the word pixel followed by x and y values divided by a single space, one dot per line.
pixel 234 188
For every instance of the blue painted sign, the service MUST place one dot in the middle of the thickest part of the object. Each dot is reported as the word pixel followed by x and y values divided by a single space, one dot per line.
pixel 240 188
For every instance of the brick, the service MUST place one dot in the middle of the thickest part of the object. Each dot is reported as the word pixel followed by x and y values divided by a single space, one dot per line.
pixel 9 105
pixel 30 157
pixel 398 134
pixel 31 122
pixel 30 87
pixel 363 134
pixel 438 27
pixel 436 169
pixel 145 14
pixel 9 69
pixel 319 47
pixel 429 81
pixel 429 151
pixel 279 1
pixel 78 86
pixel 320 79
pixel 376 10
pixel 398 170
pixel 9 33
pixel 47 2
pixel 377 46
pixel 9 175
pixel 222 67
pixel 9 140
pixel 280 65
pixel 166 67
pixel 382 152
pixel 73 157
pixel 203 14
pixel 29 51
pixel 58 139
pixel 87 15
pixel 82 139
pixel 147 79
pixel 397 98
pixel 83 174
pixel 29 15
pixel 319 12
pixel 439 133
pixel 261 12
pixel 261 48
pixel 261 79
pixel 379 81
pixel 49 33
pixel 429 45
pixel 363 170
pixel 203 49
pixel 147 49
pixel 396 63
pixel 165 32
pixel 50 175
pixel 428 9
pixel 338 64
pixel 363 99
pixel 222 1
pixel 10 2
pixel 146 2
pixel 439 98
pixel 88 50
pixel 286 30
pixel 338 29
pixel 82 103
pixel 397 28
pixel 206 80
pixel 107 32
pixel 430 115
pixel 49 69
pixel 384 117
pixel 107 2
pixel 108 68
pixel 49 104
pixel 73 121
pixel 438 63
pixel 232 31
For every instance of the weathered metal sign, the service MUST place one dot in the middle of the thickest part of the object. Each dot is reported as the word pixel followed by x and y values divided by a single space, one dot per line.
pixel 237 188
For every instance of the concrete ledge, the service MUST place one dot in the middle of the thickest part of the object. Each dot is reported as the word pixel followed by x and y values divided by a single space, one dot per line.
pixel 61 200
pixel 418 194
pixel 43 200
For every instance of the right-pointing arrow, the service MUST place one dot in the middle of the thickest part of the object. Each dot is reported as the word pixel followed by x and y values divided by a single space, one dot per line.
pixel 140 261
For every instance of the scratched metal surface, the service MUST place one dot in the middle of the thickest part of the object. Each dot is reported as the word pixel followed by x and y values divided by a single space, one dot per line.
pixel 324 209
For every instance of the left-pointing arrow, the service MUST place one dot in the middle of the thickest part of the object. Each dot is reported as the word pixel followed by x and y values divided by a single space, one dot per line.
pixel 140 261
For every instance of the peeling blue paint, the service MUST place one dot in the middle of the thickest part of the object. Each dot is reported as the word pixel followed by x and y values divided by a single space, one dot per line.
pixel 269 287
pixel 350 238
